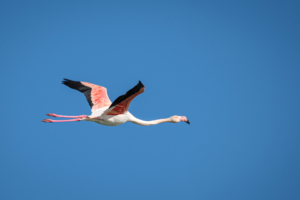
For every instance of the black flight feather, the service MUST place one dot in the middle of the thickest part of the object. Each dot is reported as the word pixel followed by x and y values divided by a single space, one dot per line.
pixel 131 92
pixel 81 88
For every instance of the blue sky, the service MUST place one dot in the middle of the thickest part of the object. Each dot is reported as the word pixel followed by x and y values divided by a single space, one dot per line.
pixel 231 67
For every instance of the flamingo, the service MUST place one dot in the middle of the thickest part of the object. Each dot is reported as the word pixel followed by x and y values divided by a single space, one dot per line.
pixel 106 113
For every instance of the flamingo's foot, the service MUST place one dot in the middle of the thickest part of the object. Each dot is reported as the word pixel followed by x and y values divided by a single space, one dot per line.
pixel 52 115
pixel 47 120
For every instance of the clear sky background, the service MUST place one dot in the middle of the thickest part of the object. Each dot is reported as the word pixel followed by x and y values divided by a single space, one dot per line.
pixel 231 67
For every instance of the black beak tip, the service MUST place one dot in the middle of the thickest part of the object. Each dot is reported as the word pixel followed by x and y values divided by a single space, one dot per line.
pixel 188 121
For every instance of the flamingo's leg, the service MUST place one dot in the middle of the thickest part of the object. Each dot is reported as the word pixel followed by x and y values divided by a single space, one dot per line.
pixel 64 116
pixel 69 120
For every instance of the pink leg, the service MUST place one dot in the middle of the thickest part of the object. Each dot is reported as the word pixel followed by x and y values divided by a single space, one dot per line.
pixel 64 116
pixel 70 120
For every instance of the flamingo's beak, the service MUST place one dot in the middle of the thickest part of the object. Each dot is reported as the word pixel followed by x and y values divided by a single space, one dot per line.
pixel 187 121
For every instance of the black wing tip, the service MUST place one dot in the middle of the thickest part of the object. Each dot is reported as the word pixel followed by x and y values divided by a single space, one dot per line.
pixel 141 84
pixel 66 81
pixel 130 92
pixel 188 122
pixel 77 85
pixel 71 83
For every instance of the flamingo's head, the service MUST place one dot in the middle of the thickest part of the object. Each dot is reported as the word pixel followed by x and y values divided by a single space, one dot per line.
pixel 176 119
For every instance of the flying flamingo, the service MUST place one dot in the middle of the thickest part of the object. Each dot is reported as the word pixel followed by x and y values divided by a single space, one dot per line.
pixel 106 113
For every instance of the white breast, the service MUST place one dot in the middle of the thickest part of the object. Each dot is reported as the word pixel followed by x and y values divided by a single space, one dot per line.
pixel 99 112
pixel 109 120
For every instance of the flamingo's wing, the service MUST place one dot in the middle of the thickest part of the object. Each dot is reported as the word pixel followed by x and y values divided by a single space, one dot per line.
pixel 95 95
pixel 121 104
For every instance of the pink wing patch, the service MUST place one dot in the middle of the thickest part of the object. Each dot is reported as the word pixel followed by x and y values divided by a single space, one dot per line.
pixel 99 96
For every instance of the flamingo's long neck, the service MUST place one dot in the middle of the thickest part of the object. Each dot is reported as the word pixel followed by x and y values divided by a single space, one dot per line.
pixel 147 123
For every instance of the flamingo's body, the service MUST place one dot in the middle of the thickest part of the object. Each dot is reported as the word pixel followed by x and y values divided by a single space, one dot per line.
pixel 106 113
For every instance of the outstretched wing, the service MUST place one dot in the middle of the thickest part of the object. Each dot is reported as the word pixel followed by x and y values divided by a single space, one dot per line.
pixel 121 104
pixel 95 95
